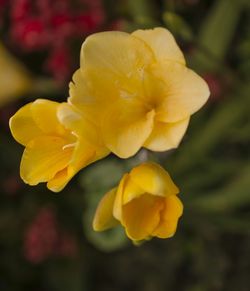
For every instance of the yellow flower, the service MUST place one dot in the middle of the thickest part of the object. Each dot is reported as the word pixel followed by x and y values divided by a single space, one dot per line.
pixel 14 79
pixel 145 203
pixel 138 90
pixel 58 143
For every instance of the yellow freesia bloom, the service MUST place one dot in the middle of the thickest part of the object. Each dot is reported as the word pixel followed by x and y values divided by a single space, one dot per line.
pixel 58 142
pixel 137 89
pixel 14 79
pixel 145 203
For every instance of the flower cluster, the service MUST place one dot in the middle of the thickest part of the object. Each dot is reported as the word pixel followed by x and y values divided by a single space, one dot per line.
pixel 131 91
pixel 42 25
pixel 144 202
pixel 56 146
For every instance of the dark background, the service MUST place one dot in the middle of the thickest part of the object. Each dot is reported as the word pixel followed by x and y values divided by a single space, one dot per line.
pixel 46 240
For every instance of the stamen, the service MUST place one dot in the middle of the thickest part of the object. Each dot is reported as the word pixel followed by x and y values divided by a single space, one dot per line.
pixel 70 145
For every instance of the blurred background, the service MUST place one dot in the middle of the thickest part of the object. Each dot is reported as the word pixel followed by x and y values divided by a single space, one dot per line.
pixel 46 239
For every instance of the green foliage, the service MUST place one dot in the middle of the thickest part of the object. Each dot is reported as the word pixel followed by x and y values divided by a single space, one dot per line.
pixel 229 117
pixel 178 26
pixel 143 13
pixel 66 275
pixel 96 181
pixel 211 249
pixel 216 34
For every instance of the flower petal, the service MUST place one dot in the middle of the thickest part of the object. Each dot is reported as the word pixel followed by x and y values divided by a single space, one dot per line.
pixel 117 60
pixel 104 218
pixel 82 155
pixel 153 179
pixel 59 181
pixel 76 121
pixel 169 217
pixel 141 216
pixel 166 136
pixel 44 113
pixel 85 93
pixel 126 127
pixel 117 210
pixel 43 158
pixel 131 191
pixel 23 126
pixel 163 44
pixel 184 92
pixel 90 142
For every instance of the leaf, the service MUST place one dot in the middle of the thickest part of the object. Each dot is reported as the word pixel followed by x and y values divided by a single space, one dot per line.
pixel 216 34
pixel 235 194
pixel 102 176
pixel 142 8
pixel 178 26
pixel 215 130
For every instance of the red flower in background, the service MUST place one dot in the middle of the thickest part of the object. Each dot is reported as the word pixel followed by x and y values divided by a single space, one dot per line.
pixel 59 19
pixel 41 236
pixel 2 9
pixel 31 34
pixel 12 184
pixel 67 245
pixel 44 238
pixel 51 26
pixel 59 62
pixel 20 9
